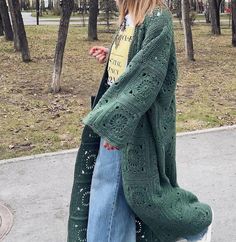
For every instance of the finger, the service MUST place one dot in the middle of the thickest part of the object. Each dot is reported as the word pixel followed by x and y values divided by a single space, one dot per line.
pixel 99 55
pixel 95 53
pixel 95 47
pixel 102 61
pixel 106 50
pixel 102 48
pixel 99 51
pixel 92 50
pixel 102 57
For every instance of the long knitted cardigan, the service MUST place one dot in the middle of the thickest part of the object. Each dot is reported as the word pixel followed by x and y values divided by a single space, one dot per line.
pixel 138 115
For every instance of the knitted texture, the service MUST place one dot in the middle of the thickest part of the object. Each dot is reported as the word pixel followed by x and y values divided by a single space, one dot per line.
pixel 138 115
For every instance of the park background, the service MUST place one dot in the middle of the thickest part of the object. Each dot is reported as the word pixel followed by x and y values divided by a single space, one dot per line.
pixel 39 115
pixel 35 120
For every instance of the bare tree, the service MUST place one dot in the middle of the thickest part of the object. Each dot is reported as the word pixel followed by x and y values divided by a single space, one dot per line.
pixel 207 12
pixel 1 26
pixel 191 4
pixel 6 20
pixel 215 16
pixel 20 30
pixel 187 30
pixel 56 7
pixel 109 7
pixel 233 8
pixel 14 26
pixel 67 8
pixel 93 14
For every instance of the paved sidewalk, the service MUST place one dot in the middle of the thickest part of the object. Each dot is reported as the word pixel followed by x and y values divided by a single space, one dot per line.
pixel 37 189
pixel 29 20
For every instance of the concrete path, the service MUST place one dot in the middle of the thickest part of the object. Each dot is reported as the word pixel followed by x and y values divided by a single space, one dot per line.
pixel 37 189
pixel 29 20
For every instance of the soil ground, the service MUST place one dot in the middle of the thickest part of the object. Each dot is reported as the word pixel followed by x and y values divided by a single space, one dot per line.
pixel 33 120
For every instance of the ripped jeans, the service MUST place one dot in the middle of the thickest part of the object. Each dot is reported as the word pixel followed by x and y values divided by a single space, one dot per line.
pixel 110 217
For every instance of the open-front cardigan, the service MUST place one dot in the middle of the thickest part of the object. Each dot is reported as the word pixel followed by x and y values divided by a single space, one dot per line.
pixel 138 115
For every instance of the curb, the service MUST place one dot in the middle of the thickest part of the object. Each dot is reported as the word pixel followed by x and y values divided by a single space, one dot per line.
pixel 71 151
pixel 203 131
pixel 32 157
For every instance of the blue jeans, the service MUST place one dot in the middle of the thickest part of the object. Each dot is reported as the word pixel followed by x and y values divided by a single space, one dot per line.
pixel 197 237
pixel 110 217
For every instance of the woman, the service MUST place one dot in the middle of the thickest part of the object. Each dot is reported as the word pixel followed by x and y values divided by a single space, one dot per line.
pixel 134 194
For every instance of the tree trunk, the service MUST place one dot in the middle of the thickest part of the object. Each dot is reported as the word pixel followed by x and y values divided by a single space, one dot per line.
pixel 93 14
pixel 233 8
pixel 197 7
pixel 191 4
pixel 37 6
pixel 20 30
pixel 107 12
pixel 187 30
pixel 6 20
pixel 14 25
pixel 215 16
pixel 56 7
pixel 1 26
pixel 67 8
pixel 207 13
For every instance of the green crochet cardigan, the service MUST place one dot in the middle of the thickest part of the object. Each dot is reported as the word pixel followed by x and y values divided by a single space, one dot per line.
pixel 138 115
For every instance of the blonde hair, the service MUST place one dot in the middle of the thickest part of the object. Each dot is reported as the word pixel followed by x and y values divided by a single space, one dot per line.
pixel 137 9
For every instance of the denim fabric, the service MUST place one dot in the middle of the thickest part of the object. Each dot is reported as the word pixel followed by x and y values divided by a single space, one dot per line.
pixel 197 237
pixel 110 217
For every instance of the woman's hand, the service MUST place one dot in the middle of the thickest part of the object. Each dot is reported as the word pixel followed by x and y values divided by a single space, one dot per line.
pixel 100 53
pixel 108 146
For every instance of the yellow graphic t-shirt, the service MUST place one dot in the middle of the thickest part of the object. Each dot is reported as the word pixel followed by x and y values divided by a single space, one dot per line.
pixel 119 51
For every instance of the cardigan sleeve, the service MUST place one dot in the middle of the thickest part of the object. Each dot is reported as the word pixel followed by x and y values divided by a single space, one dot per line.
pixel 118 111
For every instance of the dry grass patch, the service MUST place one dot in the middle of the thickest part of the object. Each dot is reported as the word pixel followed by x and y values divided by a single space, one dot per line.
pixel 36 121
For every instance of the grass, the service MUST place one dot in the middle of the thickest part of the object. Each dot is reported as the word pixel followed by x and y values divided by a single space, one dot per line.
pixel 50 15
pixel 222 16
pixel 33 120
pixel 206 87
